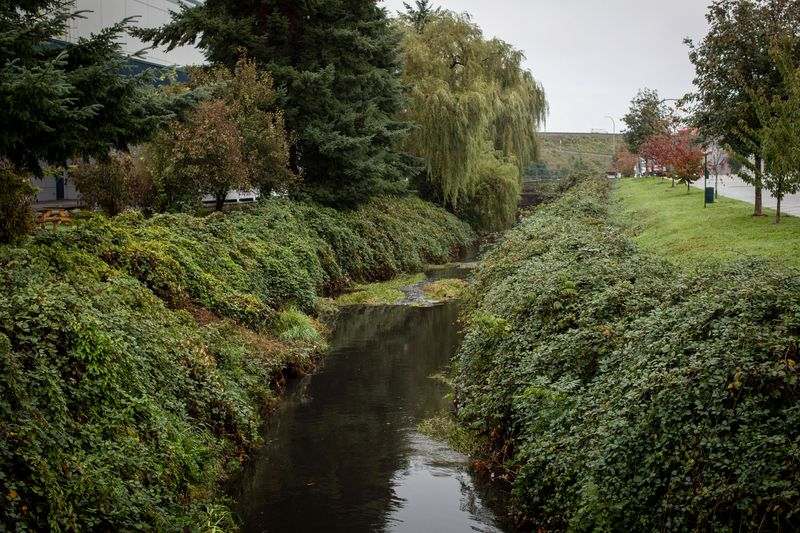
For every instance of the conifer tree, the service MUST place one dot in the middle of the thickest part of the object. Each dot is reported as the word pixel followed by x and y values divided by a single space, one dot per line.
pixel 61 101
pixel 336 65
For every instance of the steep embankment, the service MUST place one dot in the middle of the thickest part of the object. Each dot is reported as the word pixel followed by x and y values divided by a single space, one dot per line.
pixel 137 355
pixel 624 394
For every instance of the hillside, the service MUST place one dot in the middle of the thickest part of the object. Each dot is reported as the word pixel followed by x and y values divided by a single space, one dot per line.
pixel 562 151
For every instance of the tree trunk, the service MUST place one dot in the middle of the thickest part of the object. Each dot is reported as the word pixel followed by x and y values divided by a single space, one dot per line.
pixel 778 211
pixel 759 199
pixel 688 184
pixel 220 200
pixel 716 186
pixel 294 159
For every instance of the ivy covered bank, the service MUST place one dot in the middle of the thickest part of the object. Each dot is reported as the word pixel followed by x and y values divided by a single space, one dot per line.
pixel 137 355
pixel 620 393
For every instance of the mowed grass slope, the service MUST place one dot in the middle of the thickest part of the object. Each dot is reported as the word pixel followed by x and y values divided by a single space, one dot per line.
pixel 673 223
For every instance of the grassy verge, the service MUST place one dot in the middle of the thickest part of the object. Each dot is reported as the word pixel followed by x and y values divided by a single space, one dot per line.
pixel 137 355
pixel 385 293
pixel 445 289
pixel 625 392
pixel 673 224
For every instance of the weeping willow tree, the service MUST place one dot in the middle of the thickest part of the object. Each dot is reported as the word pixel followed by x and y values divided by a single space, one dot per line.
pixel 477 112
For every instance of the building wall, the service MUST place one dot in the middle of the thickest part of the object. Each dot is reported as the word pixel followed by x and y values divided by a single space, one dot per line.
pixel 150 13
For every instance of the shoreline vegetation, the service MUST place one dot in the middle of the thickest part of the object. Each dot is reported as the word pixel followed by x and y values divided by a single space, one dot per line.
pixel 616 390
pixel 138 355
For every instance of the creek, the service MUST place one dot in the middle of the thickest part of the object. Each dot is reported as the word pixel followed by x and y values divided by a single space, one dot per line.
pixel 343 451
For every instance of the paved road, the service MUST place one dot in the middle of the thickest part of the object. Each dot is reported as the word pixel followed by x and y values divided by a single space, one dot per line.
pixel 734 187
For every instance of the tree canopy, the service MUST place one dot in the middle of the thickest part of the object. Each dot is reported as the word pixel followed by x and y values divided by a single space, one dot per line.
pixel 477 109
pixel 731 63
pixel 646 117
pixel 336 66
pixel 60 101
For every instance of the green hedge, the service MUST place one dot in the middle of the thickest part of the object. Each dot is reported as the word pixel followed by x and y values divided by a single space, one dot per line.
pixel 622 394
pixel 129 386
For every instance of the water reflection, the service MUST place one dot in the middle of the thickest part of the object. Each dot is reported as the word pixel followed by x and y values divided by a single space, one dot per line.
pixel 342 454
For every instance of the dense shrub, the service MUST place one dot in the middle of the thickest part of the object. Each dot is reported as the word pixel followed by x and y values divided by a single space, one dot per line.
pixel 16 196
pixel 203 155
pixel 121 181
pixel 128 384
pixel 625 395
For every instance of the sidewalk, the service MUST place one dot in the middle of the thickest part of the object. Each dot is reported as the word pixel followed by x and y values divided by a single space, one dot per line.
pixel 734 187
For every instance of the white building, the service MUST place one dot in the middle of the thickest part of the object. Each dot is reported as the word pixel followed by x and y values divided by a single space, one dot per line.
pixel 149 14
pixel 99 14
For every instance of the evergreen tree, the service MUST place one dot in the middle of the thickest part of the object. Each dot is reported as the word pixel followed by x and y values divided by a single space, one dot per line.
pixel 336 65
pixel 60 102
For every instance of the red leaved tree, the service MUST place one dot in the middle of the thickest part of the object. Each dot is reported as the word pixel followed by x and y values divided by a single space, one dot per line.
pixel 657 151
pixel 679 154
pixel 687 157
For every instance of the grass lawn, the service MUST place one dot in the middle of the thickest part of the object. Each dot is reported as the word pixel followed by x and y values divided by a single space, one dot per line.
pixel 673 223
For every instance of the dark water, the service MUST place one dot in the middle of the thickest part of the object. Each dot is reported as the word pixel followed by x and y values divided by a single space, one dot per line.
pixel 343 453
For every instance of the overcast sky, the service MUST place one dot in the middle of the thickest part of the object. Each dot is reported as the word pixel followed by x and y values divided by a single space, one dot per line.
pixel 593 55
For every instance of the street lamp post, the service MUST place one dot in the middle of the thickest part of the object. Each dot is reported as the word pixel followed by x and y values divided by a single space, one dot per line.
pixel 614 136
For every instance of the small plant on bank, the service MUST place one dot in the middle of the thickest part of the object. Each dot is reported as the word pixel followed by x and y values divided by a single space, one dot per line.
pixel 445 289
pixel 120 181
pixel 16 196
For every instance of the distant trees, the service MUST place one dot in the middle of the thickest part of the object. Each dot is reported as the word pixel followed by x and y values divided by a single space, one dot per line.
pixel 646 117
pixel 732 62
pixel 624 161
pixel 338 74
pixel 477 112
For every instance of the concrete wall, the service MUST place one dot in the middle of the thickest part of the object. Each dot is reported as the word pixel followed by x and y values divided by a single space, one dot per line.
pixel 150 13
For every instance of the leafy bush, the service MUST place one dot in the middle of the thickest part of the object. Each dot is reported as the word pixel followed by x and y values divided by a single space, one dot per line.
pixel 123 180
pixel 253 100
pixel 129 386
pixel 623 394
pixel 16 196
pixel 204 155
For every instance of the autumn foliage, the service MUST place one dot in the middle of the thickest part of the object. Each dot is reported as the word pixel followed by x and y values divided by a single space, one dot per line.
pixel 624 161
pixel 679 154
